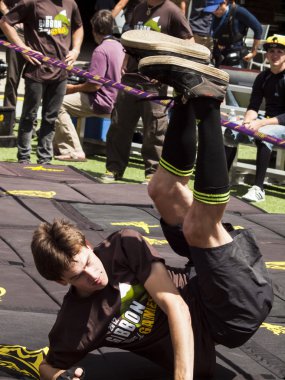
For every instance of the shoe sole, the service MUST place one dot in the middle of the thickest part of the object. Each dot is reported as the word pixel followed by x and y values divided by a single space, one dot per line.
pixel 253 200
pixel 148 42
pixel 209 72
pixel 188 78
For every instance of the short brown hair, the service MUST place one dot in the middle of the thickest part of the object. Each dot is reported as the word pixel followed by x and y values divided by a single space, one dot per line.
pixel 54 247
pixel 103 22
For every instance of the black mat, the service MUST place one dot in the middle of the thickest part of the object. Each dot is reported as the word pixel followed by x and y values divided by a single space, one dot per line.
pixel 29 304
pixel 135 195
pixel 54 173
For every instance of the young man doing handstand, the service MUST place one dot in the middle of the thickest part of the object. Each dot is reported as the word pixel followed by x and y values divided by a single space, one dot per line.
pixel 123 295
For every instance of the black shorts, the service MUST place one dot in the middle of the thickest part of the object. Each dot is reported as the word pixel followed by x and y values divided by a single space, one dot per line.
pixel 232 285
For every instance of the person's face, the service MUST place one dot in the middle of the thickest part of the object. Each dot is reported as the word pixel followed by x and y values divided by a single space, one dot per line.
pixel 221 9
pixel 276 57
pixel 87 273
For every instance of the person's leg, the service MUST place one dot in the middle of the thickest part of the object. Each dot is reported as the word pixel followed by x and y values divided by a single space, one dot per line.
pixel 66 140
pixel 262 162
pixel 203 222
pixel 169 185
pixel 264 150
pixel 234 289
pixel 32 100
pixel 52 99
pixel 15 62
pixel 124 118
pixel 155 122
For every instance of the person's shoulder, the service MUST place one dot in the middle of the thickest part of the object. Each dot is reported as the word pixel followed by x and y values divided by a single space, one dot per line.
pixel 172 6
pixel 109 47
pixel 263 77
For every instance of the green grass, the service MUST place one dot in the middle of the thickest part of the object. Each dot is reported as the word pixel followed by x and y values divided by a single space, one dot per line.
pixel 95 166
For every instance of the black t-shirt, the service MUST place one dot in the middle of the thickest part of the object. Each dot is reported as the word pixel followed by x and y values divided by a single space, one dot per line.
pixel 48 27
pixel 164 18
pixel 123 314
pixel 104 4
pixel 270 87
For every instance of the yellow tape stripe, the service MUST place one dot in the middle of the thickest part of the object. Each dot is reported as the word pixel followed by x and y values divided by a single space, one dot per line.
pixel 211 198
pixel 174 170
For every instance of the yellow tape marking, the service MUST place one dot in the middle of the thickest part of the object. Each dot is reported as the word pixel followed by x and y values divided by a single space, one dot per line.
pixel 155 241
pixel 42 169
pixel 275 265
pixel 32 193
pixel 146 227
pixel 275 329
pixel 2 293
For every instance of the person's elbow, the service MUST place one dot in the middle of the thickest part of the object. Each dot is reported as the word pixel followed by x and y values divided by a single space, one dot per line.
pixel 3 25
pixel 6 28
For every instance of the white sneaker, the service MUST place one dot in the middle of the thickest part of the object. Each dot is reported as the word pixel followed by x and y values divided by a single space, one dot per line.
pixel 254 194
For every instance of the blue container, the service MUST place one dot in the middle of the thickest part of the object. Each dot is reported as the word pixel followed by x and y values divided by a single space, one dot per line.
pixel 95 127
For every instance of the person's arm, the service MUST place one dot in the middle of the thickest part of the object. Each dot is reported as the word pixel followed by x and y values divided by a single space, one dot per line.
pixel 183 7
pixel 82 87
pixel 12 35
pixel 118 7
pixel 77 38
pixel 3 7
pixel 253 51
pixel 48 372
pixel 251 22
pixel 255 124
pixel 161 288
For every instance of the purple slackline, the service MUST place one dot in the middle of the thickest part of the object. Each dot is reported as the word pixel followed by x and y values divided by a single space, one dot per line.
pixel 131 90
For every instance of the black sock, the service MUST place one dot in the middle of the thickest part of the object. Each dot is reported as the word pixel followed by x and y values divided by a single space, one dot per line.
pixel 262 163
pixel 179 148
pixel 211 177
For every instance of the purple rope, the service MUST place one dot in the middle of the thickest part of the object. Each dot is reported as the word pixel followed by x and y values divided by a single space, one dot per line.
pixel 134 91
pixel 84 73
pixel 258 135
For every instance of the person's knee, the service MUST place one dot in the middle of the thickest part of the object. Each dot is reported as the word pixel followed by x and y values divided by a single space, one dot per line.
pixel 202 226
pixel 156 188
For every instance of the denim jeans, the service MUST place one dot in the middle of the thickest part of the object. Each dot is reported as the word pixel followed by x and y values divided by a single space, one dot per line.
pixel 51 95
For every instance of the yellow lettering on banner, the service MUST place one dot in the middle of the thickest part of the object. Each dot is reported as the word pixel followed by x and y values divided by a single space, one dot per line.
pixel 275 265
pixel 146 227
pixel 41 168
pixel 155 241
pixel 275 329
pixel 32 193
pixel 2 293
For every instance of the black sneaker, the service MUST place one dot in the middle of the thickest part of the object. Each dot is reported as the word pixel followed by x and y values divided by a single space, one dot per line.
pixel 24 161
pixel 47 162
pixel 143 43
pixel 190 79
